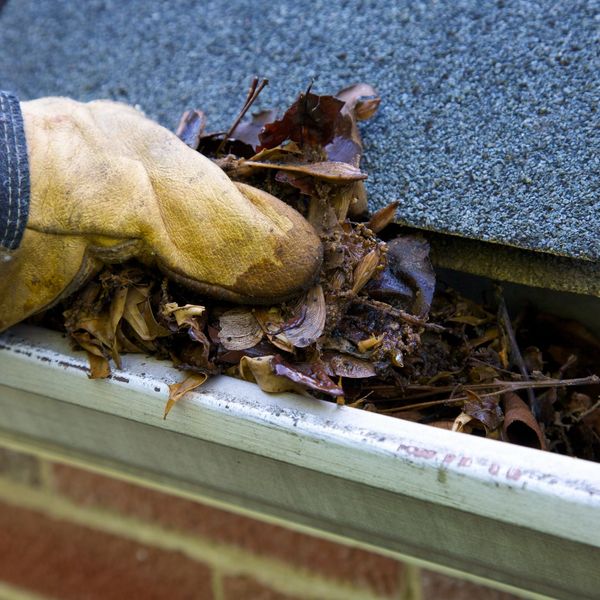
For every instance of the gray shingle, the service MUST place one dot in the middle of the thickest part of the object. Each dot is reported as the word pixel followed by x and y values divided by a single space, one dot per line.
pixel 489 125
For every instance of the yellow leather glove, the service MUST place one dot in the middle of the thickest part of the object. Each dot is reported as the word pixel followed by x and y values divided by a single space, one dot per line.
pixel 108 184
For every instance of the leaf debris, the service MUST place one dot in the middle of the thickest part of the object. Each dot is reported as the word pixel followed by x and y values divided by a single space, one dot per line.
pixel 377 332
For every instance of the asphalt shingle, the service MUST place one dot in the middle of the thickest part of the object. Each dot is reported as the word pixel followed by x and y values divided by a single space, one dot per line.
pixel 489 125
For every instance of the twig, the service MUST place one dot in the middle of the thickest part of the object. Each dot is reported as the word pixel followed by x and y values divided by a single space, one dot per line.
pixel 253 93
pixel 396 312
pixel 587 412
pixel 515 351
pixel 505 386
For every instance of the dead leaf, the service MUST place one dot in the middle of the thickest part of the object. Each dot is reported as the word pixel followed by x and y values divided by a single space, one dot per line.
pixel 310 375
pixel 287 152
pixel 335 172
pixel 183 313
pixel 239 329
pixel 308 329
pixel 484 409
pixel 370 343
pixel 310 120
pixel 383 217
pixel 259 370
pixel 190 128
pixel 409 272
pixel 520 426
pixel 345 365
pixel 178 390
pixel 463 423
pixel 249 131
pixel 99 366
pixel 137 313
pixel 361 99
pixel 365 269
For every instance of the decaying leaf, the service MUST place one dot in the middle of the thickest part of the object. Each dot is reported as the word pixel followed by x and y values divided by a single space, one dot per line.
pixel 307 327
pixel 310 120
pixel 383 217
pixel 178 390
pixel 409 278
pixel 259 370
pixel 360 99
pixel 484 409
pixel 249 131
pixel 190 128
pixel 311 375
pixel 138 314
pixel 239 329
pixel 365 270
pixel 346 365
pixel 337 172
pixel 520 426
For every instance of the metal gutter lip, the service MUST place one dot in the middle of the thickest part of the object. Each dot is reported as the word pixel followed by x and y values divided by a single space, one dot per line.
pixel 545 492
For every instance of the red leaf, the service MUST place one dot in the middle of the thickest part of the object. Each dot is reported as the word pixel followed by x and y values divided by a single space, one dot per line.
pixel 310 120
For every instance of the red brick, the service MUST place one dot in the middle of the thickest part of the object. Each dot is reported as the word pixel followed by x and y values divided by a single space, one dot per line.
pixel 19 467
pixel 67 561
pixel 357 567
pixel 437 586
pixel 246 588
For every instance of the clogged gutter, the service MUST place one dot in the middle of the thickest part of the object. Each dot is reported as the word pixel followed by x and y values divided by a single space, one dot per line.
pixel 374 332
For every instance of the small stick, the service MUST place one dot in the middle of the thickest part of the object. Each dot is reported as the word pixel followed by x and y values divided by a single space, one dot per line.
pixel 253 93
pixel 505 323
pixel 396 312
pixel 504 386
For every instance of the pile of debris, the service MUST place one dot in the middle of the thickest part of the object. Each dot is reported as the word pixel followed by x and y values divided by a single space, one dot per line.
pixel 374 332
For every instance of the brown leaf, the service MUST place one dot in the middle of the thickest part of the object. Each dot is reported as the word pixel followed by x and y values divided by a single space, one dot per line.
pixel 305 183
pixel 273 324
pixel 346 145
pixel 184 313
pixel 259 370
pixel 383 217
pixel 178 390
pixel 484 409
pixel 249 131
pixel 335 172
pixel 408 274
pixel 239 329
pixel 190 128
pixel 310 375
pixel 309 328
pixel 99 366
pixel 520 426
pixel 138 314
pixel 361 99
pixel 365 269
pixel 345 365
pixel 310 120
pixel 190 316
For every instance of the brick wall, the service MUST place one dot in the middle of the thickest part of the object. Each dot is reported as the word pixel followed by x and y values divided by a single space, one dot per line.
pixel 66 533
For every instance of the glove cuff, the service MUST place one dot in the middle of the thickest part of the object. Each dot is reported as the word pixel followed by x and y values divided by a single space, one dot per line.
pixel 14 173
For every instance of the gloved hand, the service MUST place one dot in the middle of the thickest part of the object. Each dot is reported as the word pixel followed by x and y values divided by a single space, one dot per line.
pixel 108 184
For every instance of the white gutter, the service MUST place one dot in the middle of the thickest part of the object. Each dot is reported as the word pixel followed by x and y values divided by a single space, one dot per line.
pixel 524 517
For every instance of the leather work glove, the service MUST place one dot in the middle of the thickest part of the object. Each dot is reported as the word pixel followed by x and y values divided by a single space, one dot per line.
pixel 107 185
